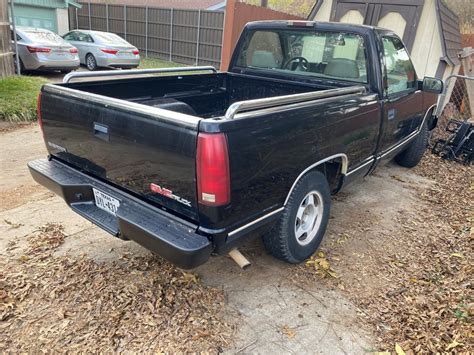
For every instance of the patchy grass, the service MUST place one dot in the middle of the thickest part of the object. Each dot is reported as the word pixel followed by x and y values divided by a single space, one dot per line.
pixel 150 63
pixel 18 95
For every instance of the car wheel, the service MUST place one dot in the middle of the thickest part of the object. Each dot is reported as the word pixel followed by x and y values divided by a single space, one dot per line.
pixel 301 227
pixel 91 62
pixel 22 66
pixel 411 156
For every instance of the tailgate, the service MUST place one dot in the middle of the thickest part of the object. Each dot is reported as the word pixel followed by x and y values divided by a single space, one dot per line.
pixel 144 150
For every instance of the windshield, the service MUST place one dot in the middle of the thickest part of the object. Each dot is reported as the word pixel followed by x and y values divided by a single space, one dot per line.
pixel 110 38
pixel 335 55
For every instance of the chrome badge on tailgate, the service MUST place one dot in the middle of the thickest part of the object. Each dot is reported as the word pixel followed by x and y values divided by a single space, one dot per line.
pixel 168 193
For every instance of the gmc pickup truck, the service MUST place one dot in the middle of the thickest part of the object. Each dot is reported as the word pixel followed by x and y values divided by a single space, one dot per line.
pixel 194 163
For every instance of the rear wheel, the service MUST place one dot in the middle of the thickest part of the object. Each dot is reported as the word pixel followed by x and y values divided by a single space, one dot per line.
pixel 412 155
pixel 91 62
pixel 22 66
pixel 301 227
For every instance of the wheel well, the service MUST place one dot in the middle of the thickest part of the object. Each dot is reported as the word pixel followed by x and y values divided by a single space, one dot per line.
pixel 333 172
pixel 432 120
pixel 333 167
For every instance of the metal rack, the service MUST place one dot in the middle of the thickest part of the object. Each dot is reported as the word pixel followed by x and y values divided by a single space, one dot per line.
pixel 248 105
pixel 104 73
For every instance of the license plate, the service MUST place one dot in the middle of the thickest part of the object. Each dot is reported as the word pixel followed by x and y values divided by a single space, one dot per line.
pixel 106 202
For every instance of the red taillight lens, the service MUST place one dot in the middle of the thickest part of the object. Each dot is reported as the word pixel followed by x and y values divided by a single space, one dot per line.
pixel 38 110
pixel 136 52
pixel 38 49
pixel 213 175
pixel 73 50
pixel 109 51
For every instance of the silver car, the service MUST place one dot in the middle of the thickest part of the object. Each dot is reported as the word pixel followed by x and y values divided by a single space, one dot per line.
pixel 103 49
pixel 40 49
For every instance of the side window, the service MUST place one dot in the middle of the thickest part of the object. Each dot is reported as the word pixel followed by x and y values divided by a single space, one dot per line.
pixel 264 51
pixel 400 73
pixel 79 36
pixel 83 37
pixel 18 38
pixel 70 36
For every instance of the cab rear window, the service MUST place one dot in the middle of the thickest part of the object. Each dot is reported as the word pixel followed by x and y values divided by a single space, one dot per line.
pixel 335 55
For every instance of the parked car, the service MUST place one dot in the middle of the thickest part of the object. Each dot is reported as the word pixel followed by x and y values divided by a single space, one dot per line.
pixel 191 166
pixel 103 49
pixel 41 49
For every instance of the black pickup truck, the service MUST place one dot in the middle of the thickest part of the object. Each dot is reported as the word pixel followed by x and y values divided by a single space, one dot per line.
pixel 193 163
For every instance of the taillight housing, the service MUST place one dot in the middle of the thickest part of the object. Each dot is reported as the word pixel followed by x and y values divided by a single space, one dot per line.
pixel 73 50
pixel 38 111
pixel 32 49
pixel 109 51
pixel 136 52
pixel 212 169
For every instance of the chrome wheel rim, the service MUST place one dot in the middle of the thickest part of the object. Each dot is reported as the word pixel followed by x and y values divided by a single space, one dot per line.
pixel 308 218
pixel 90 62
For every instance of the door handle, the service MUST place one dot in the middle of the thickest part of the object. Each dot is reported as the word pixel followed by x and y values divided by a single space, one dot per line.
pixel 391 114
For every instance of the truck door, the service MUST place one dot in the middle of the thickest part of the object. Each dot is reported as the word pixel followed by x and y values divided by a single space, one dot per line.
pixel 403 101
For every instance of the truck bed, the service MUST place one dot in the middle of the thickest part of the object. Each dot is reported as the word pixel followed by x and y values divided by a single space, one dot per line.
pixel 202 95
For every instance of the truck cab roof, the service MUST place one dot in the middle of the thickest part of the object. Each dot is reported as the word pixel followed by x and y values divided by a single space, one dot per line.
pixel 320 25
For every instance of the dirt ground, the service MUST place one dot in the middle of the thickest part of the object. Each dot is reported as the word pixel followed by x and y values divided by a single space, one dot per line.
pixel 66 284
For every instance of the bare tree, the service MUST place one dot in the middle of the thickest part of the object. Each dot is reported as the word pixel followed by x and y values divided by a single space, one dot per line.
pixel 465 11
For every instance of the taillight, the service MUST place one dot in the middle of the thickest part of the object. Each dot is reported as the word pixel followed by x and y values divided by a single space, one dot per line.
pixel 73 50
pixel 136 52
pixel 32 49
pixel 38 110
pixel 109 51
pixel 212 169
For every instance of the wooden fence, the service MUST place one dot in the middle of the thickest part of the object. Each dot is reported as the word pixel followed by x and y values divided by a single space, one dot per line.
pixel 237 16
pixel 6 54
pixel 182 36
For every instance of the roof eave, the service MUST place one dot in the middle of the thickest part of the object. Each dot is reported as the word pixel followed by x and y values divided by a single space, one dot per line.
pixel 73 3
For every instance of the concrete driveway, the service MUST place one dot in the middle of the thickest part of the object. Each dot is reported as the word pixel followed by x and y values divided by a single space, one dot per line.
pixel 274 307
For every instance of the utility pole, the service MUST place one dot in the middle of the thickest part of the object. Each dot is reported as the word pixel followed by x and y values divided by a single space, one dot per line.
pixel 264 3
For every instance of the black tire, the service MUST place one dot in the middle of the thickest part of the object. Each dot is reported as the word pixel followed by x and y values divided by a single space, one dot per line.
pixel 281 241
pixel 22 66
pixel 411 156
pixel 91 62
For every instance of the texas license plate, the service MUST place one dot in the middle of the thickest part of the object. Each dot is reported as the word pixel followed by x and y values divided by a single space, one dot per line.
pixel 106 202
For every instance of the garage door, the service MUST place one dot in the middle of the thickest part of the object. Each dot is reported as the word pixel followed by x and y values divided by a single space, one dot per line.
pixel 36 17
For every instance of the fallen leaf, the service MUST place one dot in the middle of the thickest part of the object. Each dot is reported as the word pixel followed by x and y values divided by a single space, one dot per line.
pixel 453 345
pixel 399 350
pixel 289 332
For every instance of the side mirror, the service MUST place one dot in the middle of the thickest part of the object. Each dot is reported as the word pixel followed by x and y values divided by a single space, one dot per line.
pixel 433 85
